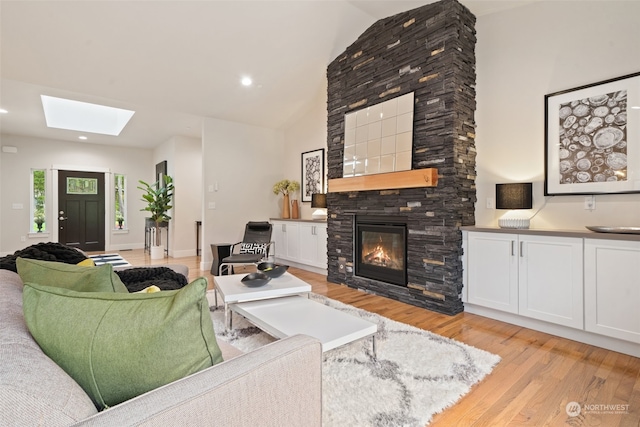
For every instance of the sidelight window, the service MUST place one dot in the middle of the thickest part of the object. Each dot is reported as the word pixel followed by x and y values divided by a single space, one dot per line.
pixel 120 214
pixel 37 208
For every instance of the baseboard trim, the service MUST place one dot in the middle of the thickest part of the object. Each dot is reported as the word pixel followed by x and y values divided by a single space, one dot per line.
pixel 614 344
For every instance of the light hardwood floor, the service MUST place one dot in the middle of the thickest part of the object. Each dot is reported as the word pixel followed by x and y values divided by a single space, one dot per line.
pixel 539 374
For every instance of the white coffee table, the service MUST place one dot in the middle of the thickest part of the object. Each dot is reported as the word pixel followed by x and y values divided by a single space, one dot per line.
pixel 287 316
pixel 233 291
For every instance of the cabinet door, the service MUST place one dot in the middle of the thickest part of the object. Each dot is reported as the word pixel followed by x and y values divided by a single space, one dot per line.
pixel 313 244
pixel 308 243
pixel 321 245
pixel 493 270
pixel 612 290
pixel 550 279
pixel 292 238
pixel 279 238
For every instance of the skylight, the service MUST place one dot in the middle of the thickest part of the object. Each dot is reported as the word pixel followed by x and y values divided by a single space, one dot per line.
pixel 84 117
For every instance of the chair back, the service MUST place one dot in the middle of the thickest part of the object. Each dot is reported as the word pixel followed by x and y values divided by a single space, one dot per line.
pixel 257 232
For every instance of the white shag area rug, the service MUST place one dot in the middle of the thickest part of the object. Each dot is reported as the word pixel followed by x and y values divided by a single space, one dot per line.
pixel 416 374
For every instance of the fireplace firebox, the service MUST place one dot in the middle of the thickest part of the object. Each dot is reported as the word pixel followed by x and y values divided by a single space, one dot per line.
pixel 381 248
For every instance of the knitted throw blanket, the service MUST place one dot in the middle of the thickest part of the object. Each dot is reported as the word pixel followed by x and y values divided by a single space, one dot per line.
pixel 49 251
pixel 135 279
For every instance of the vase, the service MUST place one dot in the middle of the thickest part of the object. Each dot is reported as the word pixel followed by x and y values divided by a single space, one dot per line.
pixel 285 207
pixel 295 212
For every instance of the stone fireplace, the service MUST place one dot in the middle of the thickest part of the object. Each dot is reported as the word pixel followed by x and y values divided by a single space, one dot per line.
pixel 428 51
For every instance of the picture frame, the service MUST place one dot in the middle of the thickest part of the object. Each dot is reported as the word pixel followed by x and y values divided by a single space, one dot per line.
pixel 161 171
pixel 312 174
pixel 592 138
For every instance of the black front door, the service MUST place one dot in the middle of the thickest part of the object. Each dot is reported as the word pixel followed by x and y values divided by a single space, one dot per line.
pixel 81 210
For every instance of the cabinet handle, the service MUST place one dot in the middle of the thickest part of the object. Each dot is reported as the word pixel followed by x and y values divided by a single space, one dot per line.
pixel 513 248
pixel 521 249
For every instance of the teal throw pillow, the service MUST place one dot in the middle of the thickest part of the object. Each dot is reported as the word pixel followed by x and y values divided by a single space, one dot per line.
pixel 117 346
pixel 70 276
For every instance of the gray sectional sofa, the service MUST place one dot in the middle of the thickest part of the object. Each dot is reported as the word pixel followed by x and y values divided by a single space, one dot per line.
pixel 276 385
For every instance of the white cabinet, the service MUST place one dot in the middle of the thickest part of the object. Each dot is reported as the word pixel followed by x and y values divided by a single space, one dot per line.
pixel 612 288
pixel 303 242
pixel 278 237
pixel 286 238
pixel 313 244
pixel 493 271
pixel 529 275
pixel 550 279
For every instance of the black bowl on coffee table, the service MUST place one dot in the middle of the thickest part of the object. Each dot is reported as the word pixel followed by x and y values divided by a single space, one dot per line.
pixel 254 280
pixel 272 269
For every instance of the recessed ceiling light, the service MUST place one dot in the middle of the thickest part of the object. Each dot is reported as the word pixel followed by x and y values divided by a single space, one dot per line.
pixel 82 137
pixel 246 81
pixel 84 117
pixel 636 107
pixel 3 111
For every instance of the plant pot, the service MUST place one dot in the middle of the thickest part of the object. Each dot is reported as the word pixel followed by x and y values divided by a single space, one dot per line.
pixel 157 252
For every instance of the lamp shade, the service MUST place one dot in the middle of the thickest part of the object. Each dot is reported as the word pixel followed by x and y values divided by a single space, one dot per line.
pixel 318 200
pixel 514 196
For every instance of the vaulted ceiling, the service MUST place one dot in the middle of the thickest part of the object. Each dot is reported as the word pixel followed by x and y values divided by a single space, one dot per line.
pixel 176 62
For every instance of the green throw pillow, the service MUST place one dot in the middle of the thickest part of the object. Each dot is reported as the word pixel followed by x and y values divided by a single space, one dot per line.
pixel 70 276
pixel 118 346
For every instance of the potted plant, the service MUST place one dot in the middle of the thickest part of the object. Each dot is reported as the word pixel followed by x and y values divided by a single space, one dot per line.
pixel 120 220
pixel 39 220
pixel 286 187
pixel 158 197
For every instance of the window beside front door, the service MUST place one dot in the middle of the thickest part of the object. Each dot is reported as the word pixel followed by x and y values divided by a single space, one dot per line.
pixel 37 211
pixel 120 205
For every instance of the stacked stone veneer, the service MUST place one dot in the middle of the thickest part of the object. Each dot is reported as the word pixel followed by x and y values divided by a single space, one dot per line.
pixel 428 51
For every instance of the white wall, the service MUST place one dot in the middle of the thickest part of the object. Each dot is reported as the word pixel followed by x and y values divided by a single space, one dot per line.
pixel 184 165
pixel 523 54
pixel 307 133
pixel 34 153
pixel 1 202
pixel 242 162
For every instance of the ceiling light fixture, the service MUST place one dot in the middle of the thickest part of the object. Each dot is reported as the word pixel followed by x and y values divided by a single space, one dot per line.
pixel 82 137
pixel 246 81
pixel 67 114
pixel 3 111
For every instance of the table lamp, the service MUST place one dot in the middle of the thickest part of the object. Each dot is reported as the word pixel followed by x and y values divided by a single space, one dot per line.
pixel 514 196
pixel 319 201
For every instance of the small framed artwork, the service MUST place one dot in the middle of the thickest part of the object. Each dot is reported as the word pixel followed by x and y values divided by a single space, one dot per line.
pixel 161 171
pixel 312 174
pixel 592 138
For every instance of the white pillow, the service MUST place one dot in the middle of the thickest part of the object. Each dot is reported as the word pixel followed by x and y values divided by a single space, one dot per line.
pixel 253 248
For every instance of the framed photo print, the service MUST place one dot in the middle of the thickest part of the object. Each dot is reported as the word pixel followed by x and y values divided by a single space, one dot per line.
pixel 592 138
pixel 312 174
pixel 161 171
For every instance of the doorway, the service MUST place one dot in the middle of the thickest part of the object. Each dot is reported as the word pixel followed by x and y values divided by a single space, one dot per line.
pixel 81 210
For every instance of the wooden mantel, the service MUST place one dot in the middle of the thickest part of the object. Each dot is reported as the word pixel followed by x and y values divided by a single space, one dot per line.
pixel 386 181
